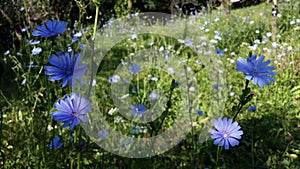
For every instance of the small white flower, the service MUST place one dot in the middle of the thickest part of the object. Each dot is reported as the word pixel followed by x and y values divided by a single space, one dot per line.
pixel 218 37
pixel 161 49
pixel 34 42
pixel 292 22
pixel 150 43
pixel 202 38
pixel 275 45
pixel 153 96
pixel 254 47
pixel 49 127
pixel 114 79
pixel 171 70
pixel 70 49
pixel 36 50
pixel 181 41
pixel 188 43
pixel 154 79
pixel 257 41
pixel 134 36
pixel 217 32
pixel 78 34
pixel 112 111
pixel 6 53
pixel 24 81
pixel 94 82
pixel 269 34
pixel 278 36
pixel 118 119
pixel 213 41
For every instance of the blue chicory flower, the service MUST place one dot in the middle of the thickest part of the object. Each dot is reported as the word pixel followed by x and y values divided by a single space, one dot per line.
pixel 74 39
pixel 226 132
pixel 71 110
pixel 216 85
pixel 81 46
pixel 56 143
pixel 51 28
pixel 102 133
pixel 252 108
pixel 65 66
pixel 175 84
pixel 138 109
pixel 135 69
pixel 256 70
pixel 72 136
pixel 199 112
pixel 133 89
pixel 220 52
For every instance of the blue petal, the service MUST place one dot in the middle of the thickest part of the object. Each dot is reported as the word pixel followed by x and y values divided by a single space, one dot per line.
pixel 233 142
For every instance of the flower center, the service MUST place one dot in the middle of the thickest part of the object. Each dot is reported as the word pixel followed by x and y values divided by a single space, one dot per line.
pixel 225 135
pixel 69 72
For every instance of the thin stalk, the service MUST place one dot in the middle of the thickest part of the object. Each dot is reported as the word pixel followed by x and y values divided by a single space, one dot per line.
pixel 190 114
pixel 1 134
pixel 242 101
pixel 252 145
pixel 92 46
pixel 218 154
pixel 166 112
pixel 95 22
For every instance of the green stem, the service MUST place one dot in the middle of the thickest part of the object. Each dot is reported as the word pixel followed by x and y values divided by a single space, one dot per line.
pixel 92 48
pixel 96 21
pixel 166 112
pixel 1 121
pixel 218 154
pixel 243 99
pixel 190 113
pixel 78 160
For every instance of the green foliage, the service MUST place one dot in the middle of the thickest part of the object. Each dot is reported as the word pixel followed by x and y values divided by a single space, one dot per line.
pixel 271 134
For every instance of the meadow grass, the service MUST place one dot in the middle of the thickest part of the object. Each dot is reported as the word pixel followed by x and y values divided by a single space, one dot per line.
pixel 271 133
